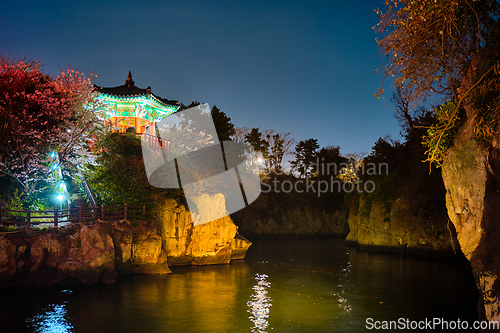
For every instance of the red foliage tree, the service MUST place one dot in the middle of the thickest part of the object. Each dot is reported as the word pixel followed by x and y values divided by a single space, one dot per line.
pixel 40 115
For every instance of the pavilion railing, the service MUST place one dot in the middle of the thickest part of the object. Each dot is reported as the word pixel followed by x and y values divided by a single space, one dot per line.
pixel 156 143
pixel 79 214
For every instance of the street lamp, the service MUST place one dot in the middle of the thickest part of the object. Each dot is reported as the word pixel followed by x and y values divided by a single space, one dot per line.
pixel 60 197
pixel 259 161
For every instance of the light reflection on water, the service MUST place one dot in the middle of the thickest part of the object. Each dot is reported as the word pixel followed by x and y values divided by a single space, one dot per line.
pixel 317 286
pixel 341 295
pixel 260 304
pixel 52 319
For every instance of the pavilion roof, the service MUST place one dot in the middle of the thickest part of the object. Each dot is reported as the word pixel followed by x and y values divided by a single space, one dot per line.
pixel 130 90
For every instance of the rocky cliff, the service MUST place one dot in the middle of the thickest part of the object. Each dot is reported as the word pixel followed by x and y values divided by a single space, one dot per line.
pixel 80 254
pixel 282 215
pixel 471 173
pixel 101 252
pixel 216 242
pixel 398 228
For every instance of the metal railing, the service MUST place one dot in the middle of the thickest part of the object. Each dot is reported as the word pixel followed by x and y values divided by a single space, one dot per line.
pixel 89 194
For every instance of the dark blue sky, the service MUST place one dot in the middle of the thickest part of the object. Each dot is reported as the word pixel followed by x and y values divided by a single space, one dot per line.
pixel 304 67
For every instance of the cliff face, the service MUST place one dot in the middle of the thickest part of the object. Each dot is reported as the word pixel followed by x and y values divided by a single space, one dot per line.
pixel 399 229
pixel 471 173
pixel 299 222
pixel 215 242
pixel 85 254
pixel 291 215
pixel 101 252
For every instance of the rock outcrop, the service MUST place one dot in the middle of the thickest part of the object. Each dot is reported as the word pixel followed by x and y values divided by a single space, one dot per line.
pixel 80 254
pixel 284 216
pixel 399 229
pixel 471 172
pixel 101 252
pixel 215 242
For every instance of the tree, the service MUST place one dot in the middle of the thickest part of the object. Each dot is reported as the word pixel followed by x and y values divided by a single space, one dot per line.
pixel 119 175
pixel 431 43
pixel 82 126
pixel 223 126
pixel 41 115
pixel 225 129
pixel 411 119
pixel 329 162
pixel 259 144
pixel 279 146
pixel 272 147
pixel 350 173
pixel 240 133
pixel 305 155
pixel 448 50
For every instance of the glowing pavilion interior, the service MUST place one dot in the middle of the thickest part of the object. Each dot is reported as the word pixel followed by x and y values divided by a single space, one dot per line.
pixel 131 106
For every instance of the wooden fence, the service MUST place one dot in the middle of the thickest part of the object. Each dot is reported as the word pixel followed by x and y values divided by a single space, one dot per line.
pixel 71 215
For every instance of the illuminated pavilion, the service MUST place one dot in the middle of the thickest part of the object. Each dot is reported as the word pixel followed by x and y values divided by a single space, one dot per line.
pixel 131 106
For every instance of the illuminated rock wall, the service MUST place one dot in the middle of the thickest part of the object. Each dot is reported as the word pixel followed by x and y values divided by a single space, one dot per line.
pixel 399 229
pixel 471 173
pixel 282 217
pixel 80 254
pixel 100 252
pixel 215 242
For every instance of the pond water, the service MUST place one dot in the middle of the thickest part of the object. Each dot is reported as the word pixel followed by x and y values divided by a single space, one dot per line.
pixel 282 286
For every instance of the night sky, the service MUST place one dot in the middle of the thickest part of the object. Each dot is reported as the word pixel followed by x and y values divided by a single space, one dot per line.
pixel 304 67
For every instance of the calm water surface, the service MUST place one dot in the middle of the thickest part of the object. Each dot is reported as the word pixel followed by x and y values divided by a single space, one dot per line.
pixel 281 286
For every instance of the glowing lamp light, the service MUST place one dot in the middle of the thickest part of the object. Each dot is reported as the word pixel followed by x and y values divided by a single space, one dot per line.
pixel 60 197
pixel 260 160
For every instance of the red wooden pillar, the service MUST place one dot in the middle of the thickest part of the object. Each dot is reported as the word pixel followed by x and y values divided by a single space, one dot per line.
pixel 137 125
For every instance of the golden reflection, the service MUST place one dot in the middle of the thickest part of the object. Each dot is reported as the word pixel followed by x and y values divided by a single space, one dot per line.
pixel 260 304
pixel 200 292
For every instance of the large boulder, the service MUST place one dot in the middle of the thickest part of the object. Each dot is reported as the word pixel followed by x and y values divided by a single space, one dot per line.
pixel 203 244
pixel 148 256
pixel 81 254
pixel 90 257
pixel 239 247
